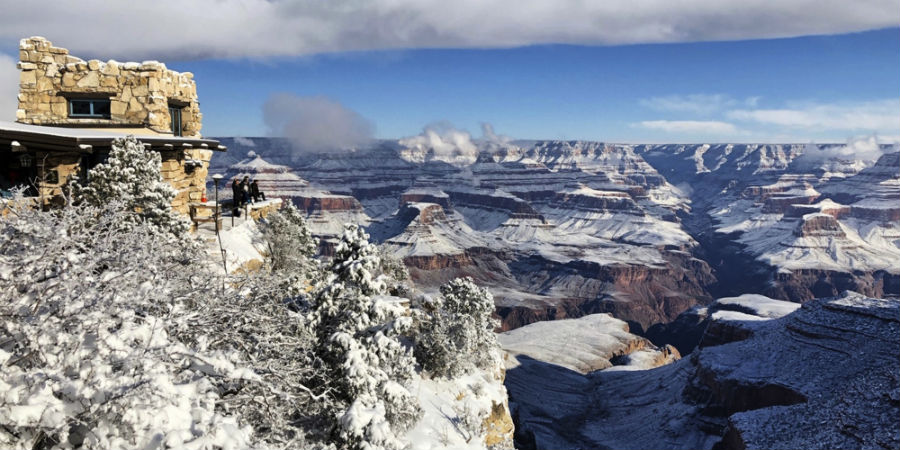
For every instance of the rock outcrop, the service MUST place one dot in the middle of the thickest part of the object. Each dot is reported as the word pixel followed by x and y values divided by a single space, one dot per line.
pixel 584 345
pixel 828 370
pixel 819 224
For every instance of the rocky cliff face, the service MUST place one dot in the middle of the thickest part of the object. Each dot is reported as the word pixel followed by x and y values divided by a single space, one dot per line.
pixel 560 229
pixel 769 204
pixel 823 376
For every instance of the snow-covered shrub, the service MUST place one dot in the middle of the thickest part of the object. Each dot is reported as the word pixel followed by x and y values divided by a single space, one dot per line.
pixel 470 420
pixel 365 367
pixel 456 330
pixel 291 251
pixel 291 244
pixel 275 342
pixel 88 357
pixel 398 280
pixel 131 176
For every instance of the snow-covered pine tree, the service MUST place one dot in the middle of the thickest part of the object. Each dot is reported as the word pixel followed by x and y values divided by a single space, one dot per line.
pixel 291 251
pixel 291 244
pixel 131 176
pixel 398 281
pixel 456 334
pixel 365 366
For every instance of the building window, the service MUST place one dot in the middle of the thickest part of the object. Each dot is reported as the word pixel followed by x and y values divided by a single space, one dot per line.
pixel 175 116
pixel 95 108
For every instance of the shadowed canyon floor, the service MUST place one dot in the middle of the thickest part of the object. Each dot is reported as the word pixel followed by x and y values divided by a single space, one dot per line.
pixel 824 376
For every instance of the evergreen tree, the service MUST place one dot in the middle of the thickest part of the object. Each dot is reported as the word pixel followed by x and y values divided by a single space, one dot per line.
pixel 365 365
pixel 457 334
pixel 131 177
pixel 291 244
pixel 291 251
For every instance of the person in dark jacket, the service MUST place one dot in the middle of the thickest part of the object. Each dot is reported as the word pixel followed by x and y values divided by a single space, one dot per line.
pixel 236 192
pixel 245 188
pixel 255 193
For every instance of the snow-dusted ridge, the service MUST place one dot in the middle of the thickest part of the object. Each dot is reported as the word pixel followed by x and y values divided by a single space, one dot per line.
pixel 570 222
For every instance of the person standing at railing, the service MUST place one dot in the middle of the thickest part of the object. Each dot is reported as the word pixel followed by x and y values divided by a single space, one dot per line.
pixel 237 193
pixel 245 191
pixel 255 193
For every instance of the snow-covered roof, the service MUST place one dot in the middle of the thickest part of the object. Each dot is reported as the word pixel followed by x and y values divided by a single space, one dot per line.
pixel 64 138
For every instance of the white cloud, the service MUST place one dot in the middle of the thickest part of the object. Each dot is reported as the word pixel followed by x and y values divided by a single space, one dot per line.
pixel 443 142
pixel 700 127
pixel 246 142
pixel 694 103
pixel 177 29
pixel 863 148
pixel 702 104
pixel 316 124
pixel 875 116
pixel 9 87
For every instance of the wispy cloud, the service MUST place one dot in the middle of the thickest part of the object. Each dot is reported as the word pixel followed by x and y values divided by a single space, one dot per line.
pixel 703 104
pixel 873 116
pixel 9 87
pixel 694 127
pixel 793 122
pixel 177 29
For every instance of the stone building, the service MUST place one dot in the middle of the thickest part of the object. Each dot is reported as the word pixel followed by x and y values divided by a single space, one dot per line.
pixel 70 111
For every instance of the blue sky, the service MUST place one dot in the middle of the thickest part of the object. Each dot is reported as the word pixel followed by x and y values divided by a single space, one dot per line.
pixel 573 92
pixel 695 71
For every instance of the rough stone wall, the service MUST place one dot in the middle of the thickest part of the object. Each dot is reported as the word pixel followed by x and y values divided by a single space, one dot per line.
pixel 66 165
pixel 187 174
pixel 185 170
pixel 258 211
pixel 140 93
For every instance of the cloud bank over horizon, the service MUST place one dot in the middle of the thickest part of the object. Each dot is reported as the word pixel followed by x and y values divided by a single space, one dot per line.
pixel 262 29
pixel 716 115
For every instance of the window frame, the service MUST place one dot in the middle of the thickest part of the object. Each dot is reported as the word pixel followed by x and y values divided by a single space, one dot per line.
pixel 91 102
pixel 179 130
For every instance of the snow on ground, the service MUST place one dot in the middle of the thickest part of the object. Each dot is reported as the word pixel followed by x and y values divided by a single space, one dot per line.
pixel 243 243
pixel 632 226
pixel 447 406
pixel 331 223
pixel 584 345
pixel 643 360
pixel 725 315
pixel 449 235
pixel 866 246
pixel 759 305
pixel 426 190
